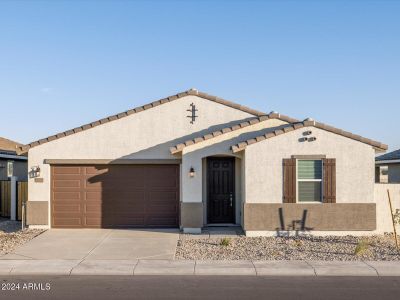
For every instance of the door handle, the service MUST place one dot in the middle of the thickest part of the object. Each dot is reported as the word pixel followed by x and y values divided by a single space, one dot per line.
pixel 231 199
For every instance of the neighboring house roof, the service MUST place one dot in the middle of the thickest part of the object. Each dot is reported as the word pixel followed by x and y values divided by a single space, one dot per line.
pixel 11 155
pixel 394 155
pixel 194 92
pixel 8 145
pixel 308 122
pixel 201 138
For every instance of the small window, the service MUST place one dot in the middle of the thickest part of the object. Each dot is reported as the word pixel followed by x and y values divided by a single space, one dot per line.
pixel 309 180
pixel 10 168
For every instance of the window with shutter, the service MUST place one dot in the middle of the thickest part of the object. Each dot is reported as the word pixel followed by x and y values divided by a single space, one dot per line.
pixel 329 186
pixel 289 180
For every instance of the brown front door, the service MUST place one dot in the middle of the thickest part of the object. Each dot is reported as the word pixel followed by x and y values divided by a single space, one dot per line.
pixel 103 196
pixel 221 190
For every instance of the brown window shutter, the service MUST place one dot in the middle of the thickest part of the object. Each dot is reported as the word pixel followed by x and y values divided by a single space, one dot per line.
pixel 289 180
pixel 329 187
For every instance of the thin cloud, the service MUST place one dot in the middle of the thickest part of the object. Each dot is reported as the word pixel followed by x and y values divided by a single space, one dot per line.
pixel 46 90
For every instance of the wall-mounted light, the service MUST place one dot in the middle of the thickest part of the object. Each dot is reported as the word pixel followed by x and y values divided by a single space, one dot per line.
pixel 35 172
pixel 191 172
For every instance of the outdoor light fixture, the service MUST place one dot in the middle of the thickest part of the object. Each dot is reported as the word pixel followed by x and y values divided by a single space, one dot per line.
pixel 191 172
pixel 35 171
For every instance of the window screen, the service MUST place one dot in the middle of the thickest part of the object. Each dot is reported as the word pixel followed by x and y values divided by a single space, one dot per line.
pixel 309 180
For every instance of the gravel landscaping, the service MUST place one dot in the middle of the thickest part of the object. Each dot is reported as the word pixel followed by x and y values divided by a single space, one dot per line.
pixel 327 248
pixel 11 235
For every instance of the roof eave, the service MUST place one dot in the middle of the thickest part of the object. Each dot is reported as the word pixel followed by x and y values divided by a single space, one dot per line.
pixel 25 148
pixel 376 145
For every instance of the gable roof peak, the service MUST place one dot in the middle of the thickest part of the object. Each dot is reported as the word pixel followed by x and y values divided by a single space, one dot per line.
pixel 309 122
pixel 192 91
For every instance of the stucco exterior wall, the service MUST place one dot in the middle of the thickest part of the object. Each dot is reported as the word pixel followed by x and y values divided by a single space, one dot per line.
pixel 145 135
pixel 194 188
pixel 354 165
pixel 221 145
pixel 383 217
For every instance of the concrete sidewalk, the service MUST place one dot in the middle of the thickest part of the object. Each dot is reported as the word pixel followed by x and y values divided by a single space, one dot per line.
pixel 183 267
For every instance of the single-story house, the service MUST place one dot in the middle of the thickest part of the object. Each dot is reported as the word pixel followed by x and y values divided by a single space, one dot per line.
pixel 12 164
pixel 388 167
pixel 193 160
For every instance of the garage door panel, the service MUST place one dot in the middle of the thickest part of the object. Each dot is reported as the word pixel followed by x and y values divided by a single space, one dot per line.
pixel 92 208
pixel 158 222
pixel 94 222
pixel 66 207
pixel 66 183
pixel 67 196
pixel 129 222
pixel 120 210
pixel 113 184
pixel 162 197
pixel 67 170
pixel 123 195
pixel 92 195
pixel 115 196
pixel 67 222
pixel 162 209
pixel 93 170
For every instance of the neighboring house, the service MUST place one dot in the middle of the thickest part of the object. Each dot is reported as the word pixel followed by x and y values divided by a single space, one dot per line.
pixel 193 160
pixel 388 167
pixel 12 164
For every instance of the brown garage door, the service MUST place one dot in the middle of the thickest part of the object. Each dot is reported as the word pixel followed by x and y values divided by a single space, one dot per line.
pixel 114 196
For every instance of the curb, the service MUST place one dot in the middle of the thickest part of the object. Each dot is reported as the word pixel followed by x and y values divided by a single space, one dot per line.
pixel 199 267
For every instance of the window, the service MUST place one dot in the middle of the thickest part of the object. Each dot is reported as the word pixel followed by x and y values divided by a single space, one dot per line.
pixel 309 180
pixel 10 168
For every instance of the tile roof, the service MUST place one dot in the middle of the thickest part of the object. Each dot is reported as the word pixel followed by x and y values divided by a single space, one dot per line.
pixel 394 155
pixel 241 146
pixel 195 92
pixel 178 148
pixel 8 145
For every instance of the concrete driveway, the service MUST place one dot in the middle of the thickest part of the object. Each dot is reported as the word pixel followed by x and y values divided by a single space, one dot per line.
pixel 100 244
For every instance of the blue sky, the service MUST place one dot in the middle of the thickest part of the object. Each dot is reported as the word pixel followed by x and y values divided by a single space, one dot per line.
pixel 66 63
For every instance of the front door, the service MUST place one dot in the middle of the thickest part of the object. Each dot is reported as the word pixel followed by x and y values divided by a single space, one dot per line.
pixel 221 190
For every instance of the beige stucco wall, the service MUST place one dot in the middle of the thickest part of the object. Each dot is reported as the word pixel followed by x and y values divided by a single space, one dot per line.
pixel 354 165
pixel 221 145
pixel 384 220
pixel 194 188
pixel 145 135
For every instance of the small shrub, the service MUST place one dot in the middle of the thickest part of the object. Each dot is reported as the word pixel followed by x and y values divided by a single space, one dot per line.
pixel 225 242
pixel 396 217
pixel 361 247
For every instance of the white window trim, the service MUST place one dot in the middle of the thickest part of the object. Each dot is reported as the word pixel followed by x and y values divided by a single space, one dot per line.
pixel 309 180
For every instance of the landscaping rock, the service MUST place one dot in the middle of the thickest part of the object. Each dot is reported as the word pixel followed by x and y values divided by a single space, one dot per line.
pixel 11 235
pixel 328 248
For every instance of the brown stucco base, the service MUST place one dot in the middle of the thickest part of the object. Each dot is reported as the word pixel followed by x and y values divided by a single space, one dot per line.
pixel 37 213
pixel 327 216
pixel 191 215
